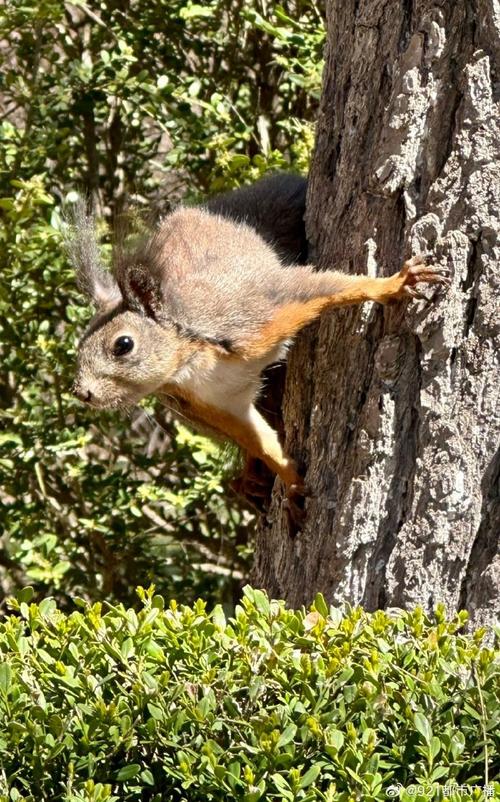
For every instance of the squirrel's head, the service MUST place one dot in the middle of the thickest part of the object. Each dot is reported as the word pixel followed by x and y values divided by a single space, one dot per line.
pixel 128 351
pixel 123 357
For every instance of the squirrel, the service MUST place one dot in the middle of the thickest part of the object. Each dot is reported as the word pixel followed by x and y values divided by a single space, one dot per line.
pixel 210 298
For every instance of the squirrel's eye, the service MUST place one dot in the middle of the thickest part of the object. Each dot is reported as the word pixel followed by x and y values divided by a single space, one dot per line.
pixel 123 345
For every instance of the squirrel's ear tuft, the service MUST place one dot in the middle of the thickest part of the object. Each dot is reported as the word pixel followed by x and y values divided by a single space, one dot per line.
pixel 82 245
pixel 141 289
pixel 137 267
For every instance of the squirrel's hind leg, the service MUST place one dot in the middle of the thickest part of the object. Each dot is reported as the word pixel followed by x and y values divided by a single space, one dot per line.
pixel 252 432
pixel 246 426
pixel 261 441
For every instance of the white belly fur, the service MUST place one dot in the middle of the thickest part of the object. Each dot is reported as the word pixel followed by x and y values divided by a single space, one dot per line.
pixel 226 383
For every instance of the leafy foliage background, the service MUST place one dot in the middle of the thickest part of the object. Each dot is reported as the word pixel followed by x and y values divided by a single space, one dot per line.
pixel 174 703
pixel 144 103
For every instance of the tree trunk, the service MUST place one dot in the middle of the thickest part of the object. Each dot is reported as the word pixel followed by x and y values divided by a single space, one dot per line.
pixel 393 412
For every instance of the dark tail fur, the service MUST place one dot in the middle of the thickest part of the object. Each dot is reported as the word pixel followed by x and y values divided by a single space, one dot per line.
pixel 275 207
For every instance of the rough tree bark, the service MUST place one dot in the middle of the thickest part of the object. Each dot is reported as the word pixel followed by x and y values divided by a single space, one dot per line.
pixel 394 411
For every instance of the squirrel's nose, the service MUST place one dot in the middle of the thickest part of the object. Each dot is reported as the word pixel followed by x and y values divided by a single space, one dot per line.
pixel 82 394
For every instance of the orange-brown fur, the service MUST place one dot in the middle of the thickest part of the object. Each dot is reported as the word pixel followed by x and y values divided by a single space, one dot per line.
pixel 257 438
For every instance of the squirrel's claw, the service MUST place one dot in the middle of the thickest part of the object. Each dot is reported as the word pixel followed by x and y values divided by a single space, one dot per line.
pixel 417 270
pixel 412 292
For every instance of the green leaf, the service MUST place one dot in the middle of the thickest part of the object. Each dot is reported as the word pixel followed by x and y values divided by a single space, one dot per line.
pixel 10 437
pixel 5 677
pixel 261 602
pixel 320 605
pixel 423 726
pixel 192 10
pixel 156 712
pixel 286 736
pixel 310 776
pixel 127 648
pixel 282 785
pixel 218 617
pixel 147 777
pixel 47 607
pixel 439 771
pixel 25 594
pixel 127 772
pixel 434 747
pixel 335 738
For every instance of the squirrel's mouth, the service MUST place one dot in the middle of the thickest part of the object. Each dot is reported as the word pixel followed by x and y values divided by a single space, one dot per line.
pixel 105 404
pixel 109 395
pixel 119 402
pixel 89 398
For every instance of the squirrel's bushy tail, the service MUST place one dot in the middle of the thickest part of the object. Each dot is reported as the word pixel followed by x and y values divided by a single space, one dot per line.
pixel 275 208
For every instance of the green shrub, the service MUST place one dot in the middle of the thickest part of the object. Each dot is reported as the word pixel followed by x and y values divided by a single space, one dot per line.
pixel 181 704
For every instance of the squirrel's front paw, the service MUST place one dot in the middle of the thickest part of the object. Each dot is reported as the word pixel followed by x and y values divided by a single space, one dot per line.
pixel 417 271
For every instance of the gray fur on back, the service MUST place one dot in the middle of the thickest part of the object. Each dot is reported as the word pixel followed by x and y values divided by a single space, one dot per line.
pixel 219 280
